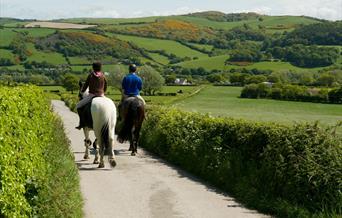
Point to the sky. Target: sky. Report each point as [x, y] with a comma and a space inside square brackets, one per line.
[47, 9]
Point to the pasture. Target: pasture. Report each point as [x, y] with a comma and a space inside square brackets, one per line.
[171, 47]
[159, 58]
[4, 53]
[6, 36]
[272, 23]
[49, 57]
[218, 63]
[109, 20]
[225, 101]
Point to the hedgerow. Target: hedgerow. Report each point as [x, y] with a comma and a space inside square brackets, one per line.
[289, 171]
[38, 177]
[292, 93]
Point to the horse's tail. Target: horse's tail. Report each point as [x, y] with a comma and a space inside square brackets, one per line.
[107, 131]
[125, 132]
[105, 135]
[131, 116]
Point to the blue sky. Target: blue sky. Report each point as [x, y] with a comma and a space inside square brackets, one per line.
[47, 9]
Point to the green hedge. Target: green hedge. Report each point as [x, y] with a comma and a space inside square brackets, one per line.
[38, 177]
[289, 171]
[292, 93]
[70, 100]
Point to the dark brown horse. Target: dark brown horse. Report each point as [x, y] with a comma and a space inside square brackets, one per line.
[131, 117]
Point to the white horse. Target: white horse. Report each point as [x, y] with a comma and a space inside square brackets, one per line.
[103, 112]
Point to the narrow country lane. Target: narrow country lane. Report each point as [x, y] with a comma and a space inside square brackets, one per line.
[143, 186]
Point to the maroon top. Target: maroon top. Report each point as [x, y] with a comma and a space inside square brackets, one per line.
[97, 84]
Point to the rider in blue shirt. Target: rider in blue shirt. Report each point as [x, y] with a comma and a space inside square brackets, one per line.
[132, 84]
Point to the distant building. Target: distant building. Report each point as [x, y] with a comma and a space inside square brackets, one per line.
[182, 82]
[269, 84]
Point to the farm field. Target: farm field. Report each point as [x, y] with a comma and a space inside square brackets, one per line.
[171, 47]
[271, 23]
[36, 32]
[4, 53]
[224, 101]
[6, 36]
[159, 58]
[217, 62]
[49, 57]
[109, 20]
[58, 25]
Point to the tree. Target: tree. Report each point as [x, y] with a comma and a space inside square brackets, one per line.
[70, 83]
[215, 78]
[170, 79]
[115, 78]
[152, 80]
[326, 80]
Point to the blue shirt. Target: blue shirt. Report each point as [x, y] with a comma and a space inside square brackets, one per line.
[131, 84]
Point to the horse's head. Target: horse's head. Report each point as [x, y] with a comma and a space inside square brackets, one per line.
[80, 94]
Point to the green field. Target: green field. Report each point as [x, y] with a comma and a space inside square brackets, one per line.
[217, 62]
[270, 22]
[171, 47]
[159, 58]
[78, 60]
[202, 46]
[4, 53]
[40, 56]
[36, 32]
[6, 37]
[208, 63]
[224, 101]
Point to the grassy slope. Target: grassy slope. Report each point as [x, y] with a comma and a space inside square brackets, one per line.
[6, 36]
[50, 57]
[4, 53]
[109, 20]
[36, 32]
[269, 22]
[224, 101]
[159, 58]
[217, 62]
[78, 60]
[168, 45]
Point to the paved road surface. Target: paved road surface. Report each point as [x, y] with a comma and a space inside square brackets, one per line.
[143, 186]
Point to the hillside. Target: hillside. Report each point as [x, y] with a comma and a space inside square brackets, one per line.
[210, 40]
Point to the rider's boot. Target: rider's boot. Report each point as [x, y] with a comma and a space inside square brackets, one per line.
[81, 124]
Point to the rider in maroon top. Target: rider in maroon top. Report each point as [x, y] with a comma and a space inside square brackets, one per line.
[97, 84]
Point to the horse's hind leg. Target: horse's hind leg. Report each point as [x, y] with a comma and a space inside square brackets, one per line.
[96, 148]
[101, 151]
[87, 143]
[111, 154]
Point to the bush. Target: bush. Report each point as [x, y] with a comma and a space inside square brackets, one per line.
[290, 93]
[70, 101]
[290, 171]
[38, 177]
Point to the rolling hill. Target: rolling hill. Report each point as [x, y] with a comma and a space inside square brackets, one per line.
[205, 39]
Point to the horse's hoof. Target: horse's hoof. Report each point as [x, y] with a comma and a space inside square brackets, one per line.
[96, 162]
[101, 165]
[86, 157]
[112, 162]
[133, 154]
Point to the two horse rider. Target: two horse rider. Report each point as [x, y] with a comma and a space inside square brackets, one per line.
[97, 85]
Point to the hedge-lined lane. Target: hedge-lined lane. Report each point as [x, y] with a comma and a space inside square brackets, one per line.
[289, 171]
[37, 173]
